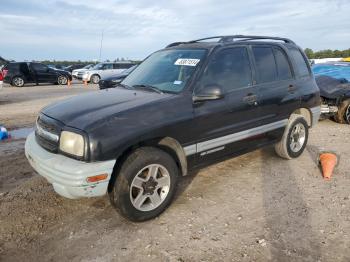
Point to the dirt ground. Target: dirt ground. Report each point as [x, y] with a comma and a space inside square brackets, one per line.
[256, 207]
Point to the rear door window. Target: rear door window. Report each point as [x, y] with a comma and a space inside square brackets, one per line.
[283, 67]
[265, 64]
[230, 69]
[301, 69]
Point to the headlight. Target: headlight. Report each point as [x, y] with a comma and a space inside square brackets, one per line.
[72, 143]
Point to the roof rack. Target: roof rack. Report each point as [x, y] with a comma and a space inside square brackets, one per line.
[232, 38]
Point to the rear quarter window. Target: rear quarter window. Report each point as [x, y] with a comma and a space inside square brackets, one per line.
[301, 67]
[283, 67]
[265, 64]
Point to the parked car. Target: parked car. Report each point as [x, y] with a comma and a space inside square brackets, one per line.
[113, 81]
[78, 73]
[104, 70]
[70, 68]
[184, 107]
[20, 73]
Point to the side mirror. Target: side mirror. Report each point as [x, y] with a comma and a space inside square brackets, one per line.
[209, 92]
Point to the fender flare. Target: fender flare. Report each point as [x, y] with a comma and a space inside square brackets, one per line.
[176, 147]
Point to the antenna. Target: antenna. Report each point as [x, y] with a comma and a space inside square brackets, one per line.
[101, 45]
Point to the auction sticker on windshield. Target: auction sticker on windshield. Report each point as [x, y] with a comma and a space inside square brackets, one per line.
[187, 61]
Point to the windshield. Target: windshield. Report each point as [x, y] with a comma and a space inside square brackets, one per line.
[129, 70]
[87, 66]
[167, 70]
[98, 67]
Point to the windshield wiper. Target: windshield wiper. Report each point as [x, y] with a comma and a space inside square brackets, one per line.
[155, 89]
[125, 86]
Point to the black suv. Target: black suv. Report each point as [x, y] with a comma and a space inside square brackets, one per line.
[186, 106]
[20, 73]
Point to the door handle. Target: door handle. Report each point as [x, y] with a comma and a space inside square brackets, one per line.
[250, 99]
[291, 88]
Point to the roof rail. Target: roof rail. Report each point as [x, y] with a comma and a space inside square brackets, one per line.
[232, 38]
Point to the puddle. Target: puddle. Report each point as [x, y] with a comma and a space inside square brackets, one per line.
[20, 133]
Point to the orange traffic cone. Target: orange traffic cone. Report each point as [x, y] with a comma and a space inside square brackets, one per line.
[69, 83]
[328, 161]
[85, 83]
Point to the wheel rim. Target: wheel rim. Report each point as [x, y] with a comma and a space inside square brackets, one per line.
[18, 81]
[150, 187]
[347, 114]
[297, 137]
[95, 79]
[62, 80]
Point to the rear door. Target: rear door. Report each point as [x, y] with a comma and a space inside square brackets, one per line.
[223, 125]
[275, 83]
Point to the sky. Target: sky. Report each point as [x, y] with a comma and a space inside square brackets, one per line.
[71, 29]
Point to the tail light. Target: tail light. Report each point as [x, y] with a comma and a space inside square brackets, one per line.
[4, 72]
[1, 76]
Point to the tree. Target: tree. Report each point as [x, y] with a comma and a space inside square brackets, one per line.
[309, 53]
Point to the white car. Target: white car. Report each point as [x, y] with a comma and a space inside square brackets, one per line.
[78, 73]
[106, 69]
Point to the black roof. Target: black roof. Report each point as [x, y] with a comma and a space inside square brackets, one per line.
[213, 41]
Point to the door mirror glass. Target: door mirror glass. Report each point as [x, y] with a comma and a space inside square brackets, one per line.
[209, 92]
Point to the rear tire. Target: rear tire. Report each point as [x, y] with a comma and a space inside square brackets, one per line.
[145, 185]
[17, 81]
[343, 114]
[294, 139]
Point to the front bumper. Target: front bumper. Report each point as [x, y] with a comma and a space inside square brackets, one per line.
[85, 77]
[68, 176]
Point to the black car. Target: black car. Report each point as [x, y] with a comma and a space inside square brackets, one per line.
[113, 81]
[20, 73]
[184, 107]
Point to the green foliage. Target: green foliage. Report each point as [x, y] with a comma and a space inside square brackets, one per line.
[328, 53]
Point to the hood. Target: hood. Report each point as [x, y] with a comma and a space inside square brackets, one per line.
[80, 70]
[82, 111]
[61, 71]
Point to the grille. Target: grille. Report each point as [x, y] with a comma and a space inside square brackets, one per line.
[47, 133]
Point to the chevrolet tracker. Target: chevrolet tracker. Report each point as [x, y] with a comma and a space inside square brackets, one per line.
[184, 107]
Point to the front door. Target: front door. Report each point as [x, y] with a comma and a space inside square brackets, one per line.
[43, 73]
[224, 125]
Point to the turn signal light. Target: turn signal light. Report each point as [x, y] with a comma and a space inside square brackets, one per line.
[97, 178]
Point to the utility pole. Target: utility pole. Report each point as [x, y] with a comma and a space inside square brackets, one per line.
[101, 45]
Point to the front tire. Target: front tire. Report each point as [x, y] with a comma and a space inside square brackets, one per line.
[294, 139]
[62, 80]
[95, 79]
[18, 81]
[145, 185]
[343, 114]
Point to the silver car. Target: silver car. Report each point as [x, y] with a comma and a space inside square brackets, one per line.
[103, 70]
[78, 73]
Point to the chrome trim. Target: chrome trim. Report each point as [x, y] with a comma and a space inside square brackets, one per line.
[190, 150]
[316, 113]
[42, 132]
[224, 140]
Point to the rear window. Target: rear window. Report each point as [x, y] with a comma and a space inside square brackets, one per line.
[265, 64]
[300, 63]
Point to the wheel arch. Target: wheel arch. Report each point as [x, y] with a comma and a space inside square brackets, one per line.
[306, 113]
[167, 144]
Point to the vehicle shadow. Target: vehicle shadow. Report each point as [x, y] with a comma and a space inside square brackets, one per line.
[288, 222]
